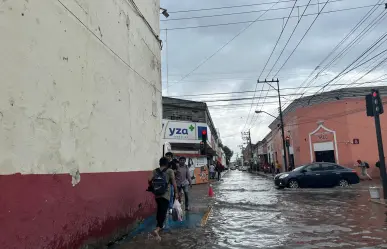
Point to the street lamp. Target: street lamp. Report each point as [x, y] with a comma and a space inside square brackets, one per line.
[265, 113]
[164, 12]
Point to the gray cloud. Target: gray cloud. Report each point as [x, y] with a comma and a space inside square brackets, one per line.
[238, 65]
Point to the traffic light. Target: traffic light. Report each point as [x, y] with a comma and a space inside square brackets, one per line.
[287, 141]
[374, 104]
[377, 101]
[203, 143]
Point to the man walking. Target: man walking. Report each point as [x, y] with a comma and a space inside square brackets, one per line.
[212, 171]
[364, 166]
[160, 182]
[169, 156]
[183, 179]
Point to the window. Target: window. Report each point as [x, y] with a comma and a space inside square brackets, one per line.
[329, 166]
[313, 167]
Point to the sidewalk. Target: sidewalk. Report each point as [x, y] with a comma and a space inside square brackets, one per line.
[200, 208]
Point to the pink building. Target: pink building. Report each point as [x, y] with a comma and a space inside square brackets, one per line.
[333, 127]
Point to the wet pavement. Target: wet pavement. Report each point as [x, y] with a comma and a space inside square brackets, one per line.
[248, 212]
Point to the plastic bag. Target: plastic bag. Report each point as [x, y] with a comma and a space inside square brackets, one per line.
[177, 211]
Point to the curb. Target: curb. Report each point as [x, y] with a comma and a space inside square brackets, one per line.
[206, 216]
[379, 201]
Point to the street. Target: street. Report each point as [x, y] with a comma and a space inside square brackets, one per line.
[248, 212]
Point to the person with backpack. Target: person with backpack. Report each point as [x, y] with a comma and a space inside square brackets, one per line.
[183, 179]
[160, 182]
[364, 166]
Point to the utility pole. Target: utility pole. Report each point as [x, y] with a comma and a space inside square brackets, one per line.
[374, 106]
[247, 137]
[280, 114]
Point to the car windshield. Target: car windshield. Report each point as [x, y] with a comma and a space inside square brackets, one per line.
[299, 168]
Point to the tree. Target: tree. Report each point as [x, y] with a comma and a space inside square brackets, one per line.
[228, 154]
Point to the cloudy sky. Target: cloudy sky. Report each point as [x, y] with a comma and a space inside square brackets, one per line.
[223, 48]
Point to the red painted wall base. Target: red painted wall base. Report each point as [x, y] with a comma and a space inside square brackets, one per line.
[47, 212]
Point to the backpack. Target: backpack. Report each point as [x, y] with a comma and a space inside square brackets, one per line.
[367, 165]
[159, 182]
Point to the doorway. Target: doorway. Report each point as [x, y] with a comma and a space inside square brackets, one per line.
[325, 156]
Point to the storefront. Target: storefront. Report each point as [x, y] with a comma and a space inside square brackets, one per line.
[183, 139]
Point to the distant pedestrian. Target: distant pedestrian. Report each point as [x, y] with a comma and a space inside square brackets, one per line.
[212, 171]
[160, 182]
[218, 169]
[364, 166]
[277, 167]
[183, 179]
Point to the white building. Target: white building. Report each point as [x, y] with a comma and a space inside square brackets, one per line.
[80, 119]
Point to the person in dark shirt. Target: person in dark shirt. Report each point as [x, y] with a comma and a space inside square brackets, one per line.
[162, 201]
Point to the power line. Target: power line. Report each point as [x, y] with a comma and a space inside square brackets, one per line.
[290, 37]
[271, 19]
[343, 72]
[298, 44]
[221, 48]
[364, 18]
[271, 54]
[243, 12]
[241, 92]
[228, 7]
[307, 31]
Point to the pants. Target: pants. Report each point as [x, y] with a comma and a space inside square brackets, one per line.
[212, 174]
[171, 200]
[365, 173]
[186, 197]
[162, 208]
[219, 176]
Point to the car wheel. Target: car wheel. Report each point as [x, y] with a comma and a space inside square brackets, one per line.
[343, 183]
[293, 184]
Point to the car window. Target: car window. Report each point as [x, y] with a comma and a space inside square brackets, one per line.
[313, 167]
[328, 166]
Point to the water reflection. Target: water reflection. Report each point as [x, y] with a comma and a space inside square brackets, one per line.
[250, 213]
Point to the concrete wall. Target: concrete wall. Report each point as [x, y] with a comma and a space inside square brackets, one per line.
[80, 86]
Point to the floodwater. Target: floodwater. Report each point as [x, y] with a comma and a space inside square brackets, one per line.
[248, 212]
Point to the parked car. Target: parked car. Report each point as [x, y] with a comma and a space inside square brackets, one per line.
[233, 167]
[317, 175]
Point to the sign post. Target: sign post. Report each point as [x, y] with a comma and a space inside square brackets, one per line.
[375, 108]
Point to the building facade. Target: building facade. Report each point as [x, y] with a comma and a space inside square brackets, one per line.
[183, 124]
[330, 127]
[80, 120]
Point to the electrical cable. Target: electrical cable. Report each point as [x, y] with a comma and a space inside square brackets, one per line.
[271, 54]
[221, 48]
[307, 31]
[269, 19]
[364, 18]
[241, 13]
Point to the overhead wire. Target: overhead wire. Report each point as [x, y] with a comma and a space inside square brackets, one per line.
[241, 13]
[298, 44]
[271, 54]
[267, 19]
[222, 47]
[364, 18]
[287, 42]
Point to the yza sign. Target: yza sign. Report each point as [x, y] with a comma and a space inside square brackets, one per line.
[179, 130]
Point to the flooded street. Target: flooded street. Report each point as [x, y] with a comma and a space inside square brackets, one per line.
[248, 212]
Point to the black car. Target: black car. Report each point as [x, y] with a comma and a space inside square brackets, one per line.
[317, 175]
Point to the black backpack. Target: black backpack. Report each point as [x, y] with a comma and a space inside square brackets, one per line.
[159, 182]
[367, 165]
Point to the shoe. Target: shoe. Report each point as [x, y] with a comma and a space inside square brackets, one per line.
[186, 209]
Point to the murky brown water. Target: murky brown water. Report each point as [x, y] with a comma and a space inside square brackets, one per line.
[249, 212]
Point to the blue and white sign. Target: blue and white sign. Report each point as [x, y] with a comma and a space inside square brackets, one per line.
[179, 130]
